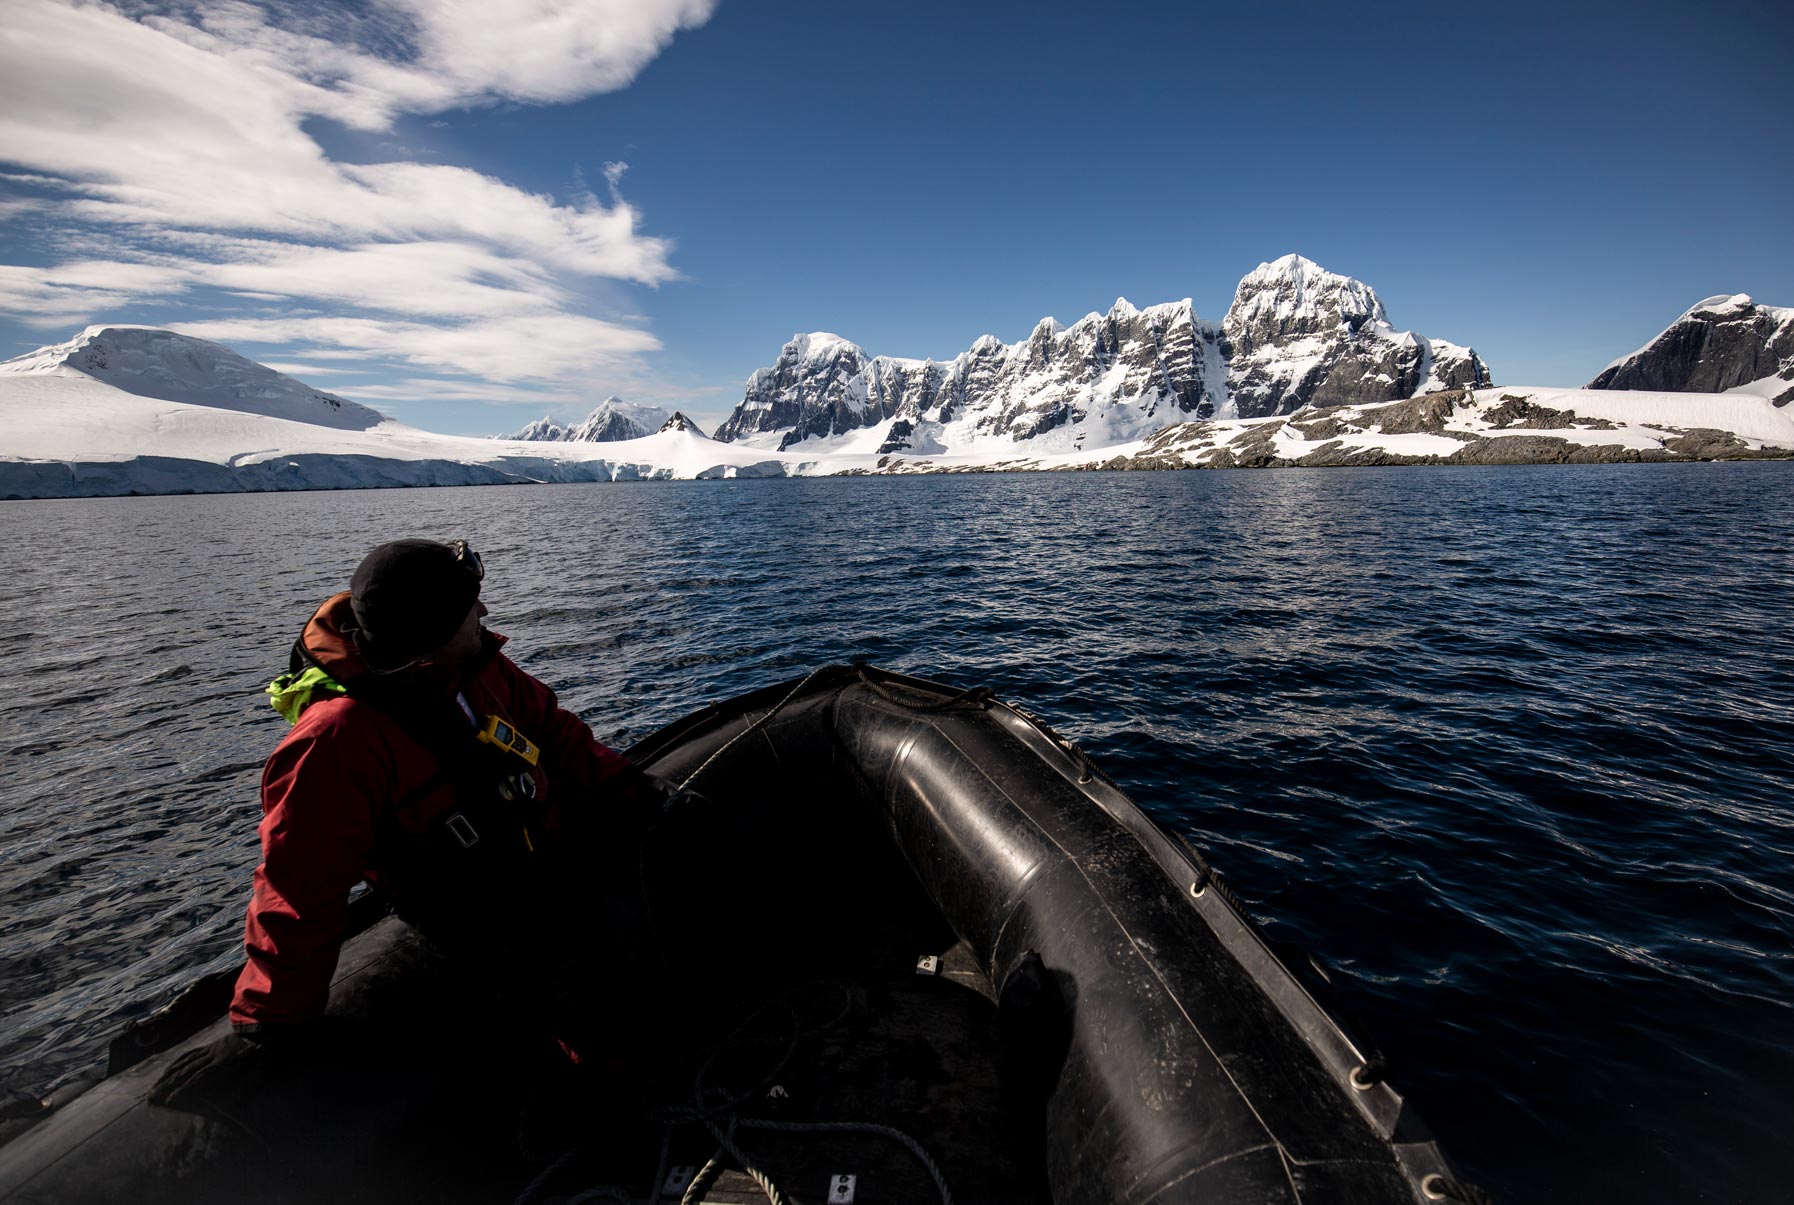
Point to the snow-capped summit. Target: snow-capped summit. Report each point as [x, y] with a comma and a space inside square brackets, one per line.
[818, 344]
[611, 420]
[1721, 344]
[817, 384]
[1294, 296]
[679, 422]
[180, 368]
[1300, 335]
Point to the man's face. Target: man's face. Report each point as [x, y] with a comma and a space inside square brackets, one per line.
[464, 645]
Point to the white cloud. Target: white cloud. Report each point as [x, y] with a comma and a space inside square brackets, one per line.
[302, 371]
[437, 389]
[545, 50]
[551, 346]
[53, 298]
[175, 147]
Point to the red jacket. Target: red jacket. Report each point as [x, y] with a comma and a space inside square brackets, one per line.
[335, 782]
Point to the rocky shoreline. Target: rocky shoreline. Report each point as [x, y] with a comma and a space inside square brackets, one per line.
[1482, 431]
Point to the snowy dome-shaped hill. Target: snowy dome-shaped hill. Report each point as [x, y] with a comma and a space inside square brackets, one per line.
[170, 367]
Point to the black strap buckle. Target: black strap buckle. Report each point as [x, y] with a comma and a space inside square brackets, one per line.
[462, 830]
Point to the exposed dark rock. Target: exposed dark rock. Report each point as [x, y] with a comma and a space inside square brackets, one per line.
[1419, 415]
[679, 422]
[1326, 428]
[1260, 455]
[1182, 433]
[1601, 454]
[1720, 344]
[899, 436]
[1339, 455]
[1261, 433]
[1539, 449]
[1705, 443]
[1526, 414]
[1142, 462]
[1515, 449]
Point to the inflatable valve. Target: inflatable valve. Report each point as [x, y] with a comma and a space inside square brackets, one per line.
[501, 735]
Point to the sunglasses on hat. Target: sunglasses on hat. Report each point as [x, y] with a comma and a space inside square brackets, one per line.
[468, 559]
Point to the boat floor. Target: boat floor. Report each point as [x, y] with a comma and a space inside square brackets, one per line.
[880, 1044]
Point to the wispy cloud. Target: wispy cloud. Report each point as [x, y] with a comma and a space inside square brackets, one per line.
[170, 145]
[540, 347]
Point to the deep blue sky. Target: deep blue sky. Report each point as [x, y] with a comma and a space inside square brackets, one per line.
[1551, 184]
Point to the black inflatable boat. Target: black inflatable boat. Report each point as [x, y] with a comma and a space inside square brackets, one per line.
[909, 945]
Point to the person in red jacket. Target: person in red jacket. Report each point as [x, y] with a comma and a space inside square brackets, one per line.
[424, 762]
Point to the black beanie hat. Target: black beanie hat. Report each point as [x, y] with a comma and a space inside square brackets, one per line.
[409, 597]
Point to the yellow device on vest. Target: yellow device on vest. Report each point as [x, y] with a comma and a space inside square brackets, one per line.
[496, 732]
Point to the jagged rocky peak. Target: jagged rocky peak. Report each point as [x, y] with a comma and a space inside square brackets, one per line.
[1720, 343]
[1299, 335]
[679, 422]
[1295, 296]
[817, 383]
[163, 364]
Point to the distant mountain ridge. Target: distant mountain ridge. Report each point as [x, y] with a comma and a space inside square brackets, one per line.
[610, 421]
[1719, 345]
[1295, 335]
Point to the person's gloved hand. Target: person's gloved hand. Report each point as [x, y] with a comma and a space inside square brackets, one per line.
[641, 801]
[222, 1073]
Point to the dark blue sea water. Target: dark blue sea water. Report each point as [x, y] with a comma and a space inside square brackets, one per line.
[1507, 749]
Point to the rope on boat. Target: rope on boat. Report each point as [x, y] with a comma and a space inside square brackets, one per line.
[700, 1183]
[755, 726]
[860, 1127]
[604, 1193]
[977, 698]
[714, 1107]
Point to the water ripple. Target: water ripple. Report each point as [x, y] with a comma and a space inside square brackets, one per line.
[1505, 748]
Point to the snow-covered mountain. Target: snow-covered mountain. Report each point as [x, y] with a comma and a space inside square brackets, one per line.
[1295, 335]
[154, 363]
[611, 420]
[1298, 335]
[1724, 344]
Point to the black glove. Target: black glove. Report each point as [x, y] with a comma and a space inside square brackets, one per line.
[664, 793]
[221, 1074]
[635, 805]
